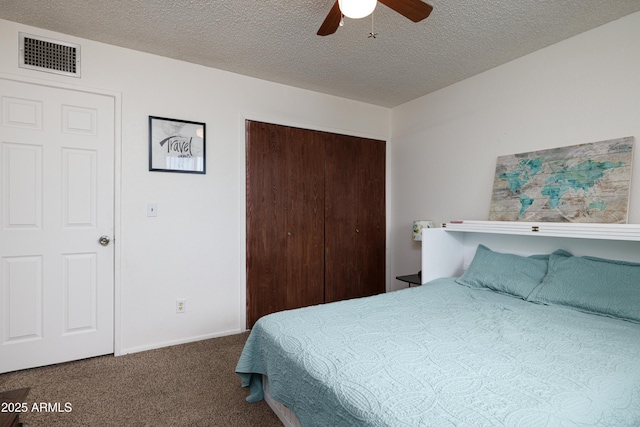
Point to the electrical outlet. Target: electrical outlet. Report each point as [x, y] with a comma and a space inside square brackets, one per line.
[181, 305]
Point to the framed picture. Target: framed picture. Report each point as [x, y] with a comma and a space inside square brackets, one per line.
[176, 145]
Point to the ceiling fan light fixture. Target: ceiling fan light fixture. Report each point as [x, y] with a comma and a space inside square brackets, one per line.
[357, 9]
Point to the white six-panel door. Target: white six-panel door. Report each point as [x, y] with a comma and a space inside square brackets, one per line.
[56, 201]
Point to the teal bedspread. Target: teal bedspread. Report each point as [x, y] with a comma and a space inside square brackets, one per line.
[446, 355]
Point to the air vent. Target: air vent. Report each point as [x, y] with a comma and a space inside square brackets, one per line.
[52, 56]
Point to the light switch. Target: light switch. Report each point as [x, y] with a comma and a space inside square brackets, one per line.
[152, 209]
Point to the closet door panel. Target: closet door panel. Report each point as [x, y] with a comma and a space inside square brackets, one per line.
[266, 220]
[305, 218]
[341, 227]
[285, 219]
[371, 217]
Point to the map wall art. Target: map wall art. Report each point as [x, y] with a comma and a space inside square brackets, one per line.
[579, 183]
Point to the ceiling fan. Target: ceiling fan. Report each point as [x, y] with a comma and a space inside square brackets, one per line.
[415, 10]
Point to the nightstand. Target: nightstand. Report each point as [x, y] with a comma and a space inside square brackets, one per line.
[411, 279]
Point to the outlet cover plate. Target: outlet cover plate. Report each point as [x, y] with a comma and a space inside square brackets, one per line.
[181, 305]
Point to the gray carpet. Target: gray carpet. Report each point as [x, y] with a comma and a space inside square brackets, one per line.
[185, 385]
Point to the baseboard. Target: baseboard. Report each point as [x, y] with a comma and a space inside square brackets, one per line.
[177, 342]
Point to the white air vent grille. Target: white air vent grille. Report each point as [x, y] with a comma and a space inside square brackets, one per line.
[39, 53]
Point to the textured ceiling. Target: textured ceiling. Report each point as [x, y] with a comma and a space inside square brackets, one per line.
[276, 40]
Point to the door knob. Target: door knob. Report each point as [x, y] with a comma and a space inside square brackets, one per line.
[104, 240]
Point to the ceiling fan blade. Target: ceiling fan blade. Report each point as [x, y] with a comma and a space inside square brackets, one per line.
[331, 22]
[415, 10]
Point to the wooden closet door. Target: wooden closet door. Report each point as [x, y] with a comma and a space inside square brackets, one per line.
[354, 217]
[305, 218]
[285, 219]
[371, 214]
[341, 225]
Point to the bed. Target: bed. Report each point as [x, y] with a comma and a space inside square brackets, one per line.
[515, 331]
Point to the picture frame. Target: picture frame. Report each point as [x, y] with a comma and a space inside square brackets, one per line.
[177, 145]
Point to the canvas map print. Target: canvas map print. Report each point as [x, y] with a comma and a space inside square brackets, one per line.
[580, 183]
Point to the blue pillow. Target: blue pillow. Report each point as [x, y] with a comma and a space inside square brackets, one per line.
[505, 273]
[595, 285]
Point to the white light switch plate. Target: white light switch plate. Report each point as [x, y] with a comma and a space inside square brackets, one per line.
[152, 209]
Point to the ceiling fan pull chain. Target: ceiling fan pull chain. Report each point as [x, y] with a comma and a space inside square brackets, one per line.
[372, 34]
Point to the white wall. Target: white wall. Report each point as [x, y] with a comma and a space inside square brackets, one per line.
[195, 248]
[444, 145]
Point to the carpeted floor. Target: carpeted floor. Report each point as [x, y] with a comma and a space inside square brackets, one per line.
[185, 385]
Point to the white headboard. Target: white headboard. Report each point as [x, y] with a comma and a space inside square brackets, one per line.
[447, 251]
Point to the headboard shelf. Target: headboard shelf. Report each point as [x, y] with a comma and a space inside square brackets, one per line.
[447, 251]
[550, 229]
